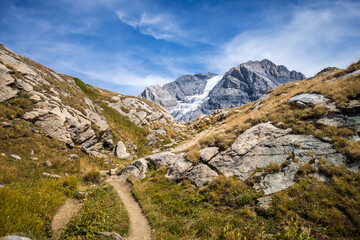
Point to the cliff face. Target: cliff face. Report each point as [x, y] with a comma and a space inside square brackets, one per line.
[193, 95]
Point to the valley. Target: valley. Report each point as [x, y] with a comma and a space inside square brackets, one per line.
[280, 160]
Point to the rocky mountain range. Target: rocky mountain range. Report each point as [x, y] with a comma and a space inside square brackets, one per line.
[271, 152]
[190, 96]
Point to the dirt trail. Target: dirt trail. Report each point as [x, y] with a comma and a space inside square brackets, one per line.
[139, 225]
[64, 215]
[187, 144]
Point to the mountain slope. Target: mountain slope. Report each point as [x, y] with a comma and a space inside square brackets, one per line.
[193, 95]
[56, 134]
[288, 162]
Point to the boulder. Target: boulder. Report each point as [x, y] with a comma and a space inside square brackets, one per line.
[136, 168]
[200, 175]
[308, 99]
[208, 153]
[255, 135]
[263, 147]
[120, 150]
[163, 159]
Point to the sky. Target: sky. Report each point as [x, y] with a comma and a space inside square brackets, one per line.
[127, 45]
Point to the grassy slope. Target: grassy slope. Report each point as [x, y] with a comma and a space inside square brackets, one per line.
[29, 200]
[226, 209]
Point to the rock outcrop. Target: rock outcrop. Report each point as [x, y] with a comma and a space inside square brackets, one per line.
[56, 112]
[252, 153]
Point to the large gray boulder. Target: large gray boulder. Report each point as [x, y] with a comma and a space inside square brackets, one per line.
[263, 145]
[308, 99]
[136, 168]
[120, 150]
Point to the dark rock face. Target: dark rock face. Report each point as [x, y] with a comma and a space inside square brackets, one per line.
[240, 85]
[248, 82]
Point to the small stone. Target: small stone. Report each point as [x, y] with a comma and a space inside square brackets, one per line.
[51, 175]
[5, 124]
[1, 185]
[34, 158]
[47, 163]
[32, 152]
[264, 202]
[3, 154]
[14, 237]
[73, 155]
[111, 235]
[108, 161]
[15, 156]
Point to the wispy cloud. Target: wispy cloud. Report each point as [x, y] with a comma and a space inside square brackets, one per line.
[159, 26]
[312, 39]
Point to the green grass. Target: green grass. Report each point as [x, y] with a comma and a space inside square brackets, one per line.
[226, 208]
[179, 211]
[27, 205]
[102, 212]
[125, 130]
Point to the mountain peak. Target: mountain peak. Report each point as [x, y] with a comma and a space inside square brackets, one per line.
[192, 95]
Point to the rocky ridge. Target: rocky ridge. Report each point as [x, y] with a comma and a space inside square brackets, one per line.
[186, 98]
[59, 108]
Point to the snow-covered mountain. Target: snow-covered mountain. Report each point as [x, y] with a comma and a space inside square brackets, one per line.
[190, 96]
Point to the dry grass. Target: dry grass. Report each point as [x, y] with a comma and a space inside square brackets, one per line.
[192, 153]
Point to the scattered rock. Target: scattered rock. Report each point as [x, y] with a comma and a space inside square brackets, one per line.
[120, 150]
[73, 155]
[32, 152]
[136, 168]
[5, 124]
[51, 175]
[15, 156]
[341, 120]
[14, 237]
[3, 154]
[108, 161]
[264, 144]
[200, 175]
[308, 99]
[111, 235]
[34, 158]
[47, 163]
[264, 202]
[1, 185]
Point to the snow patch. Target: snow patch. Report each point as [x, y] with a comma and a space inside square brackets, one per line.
[191, 103]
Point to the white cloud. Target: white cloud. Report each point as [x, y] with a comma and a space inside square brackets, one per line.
[125, 77]
[314, 38]
[159, 26]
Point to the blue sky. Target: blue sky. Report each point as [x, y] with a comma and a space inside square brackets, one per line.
[125, 46]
